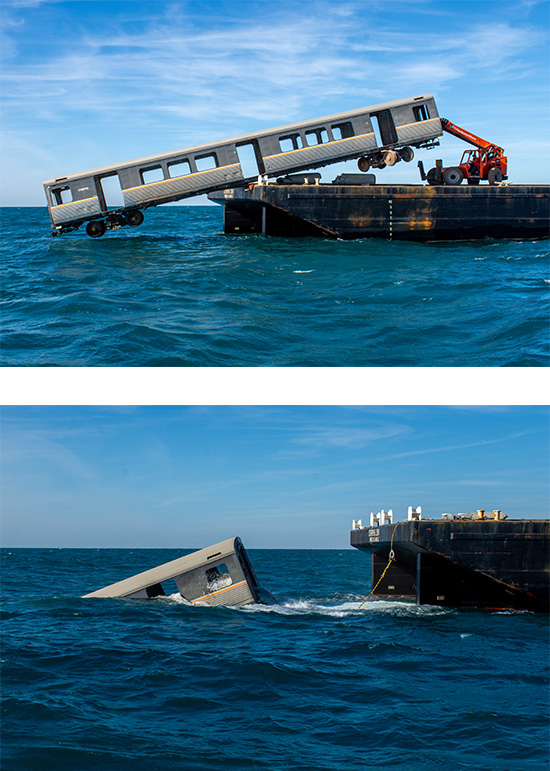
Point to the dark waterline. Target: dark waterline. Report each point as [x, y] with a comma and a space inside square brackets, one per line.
[177, 292]
[313, 684]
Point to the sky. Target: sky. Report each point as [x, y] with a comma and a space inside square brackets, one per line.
[87, 83]
[279, 477]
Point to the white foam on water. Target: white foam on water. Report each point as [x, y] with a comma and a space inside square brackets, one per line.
[303, 271]
[345, 609]
[305, 608]
[302, 607]
[177, 598]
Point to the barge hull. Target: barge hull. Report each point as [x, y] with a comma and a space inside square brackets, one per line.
[393, 212]
[481, 564]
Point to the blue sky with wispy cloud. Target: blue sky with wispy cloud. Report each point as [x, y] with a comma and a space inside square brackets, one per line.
[290, 477]
[87, 83]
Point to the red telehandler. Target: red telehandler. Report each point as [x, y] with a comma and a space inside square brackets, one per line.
[487, 161]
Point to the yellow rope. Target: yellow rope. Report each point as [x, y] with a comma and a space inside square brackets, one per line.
[381, 577]
[391, 559]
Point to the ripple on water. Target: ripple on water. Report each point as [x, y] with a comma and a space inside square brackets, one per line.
[177, 292]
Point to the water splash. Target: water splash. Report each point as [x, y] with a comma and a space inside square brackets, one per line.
[334, 609]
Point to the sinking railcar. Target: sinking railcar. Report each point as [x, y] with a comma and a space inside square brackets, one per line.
[379, 135]
[218, 575]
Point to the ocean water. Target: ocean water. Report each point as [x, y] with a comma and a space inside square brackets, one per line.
[177, 292]
[312, 684]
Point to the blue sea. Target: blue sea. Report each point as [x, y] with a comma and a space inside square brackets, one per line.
[177, 292]
[311, 684]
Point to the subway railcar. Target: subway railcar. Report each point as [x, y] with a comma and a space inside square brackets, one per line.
[378, 135]
[218, 575]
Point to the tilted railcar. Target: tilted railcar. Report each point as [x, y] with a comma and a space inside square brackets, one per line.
[218, 575]
[379, 134]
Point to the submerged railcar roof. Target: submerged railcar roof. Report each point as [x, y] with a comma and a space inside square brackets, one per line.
[340, 116]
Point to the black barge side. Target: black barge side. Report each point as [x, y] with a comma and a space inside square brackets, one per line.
[464, 564]
[394, 212]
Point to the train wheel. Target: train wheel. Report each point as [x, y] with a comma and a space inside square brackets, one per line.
[95, 228]
[134, 218]
[391, 158]
[494, 176]
[406, 154]
[431, 177]
[363, 164]
[453, 176]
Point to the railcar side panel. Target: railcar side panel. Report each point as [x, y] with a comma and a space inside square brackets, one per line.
[75, 210]
[172, 189]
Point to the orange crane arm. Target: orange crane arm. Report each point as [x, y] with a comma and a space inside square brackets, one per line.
[461, 133]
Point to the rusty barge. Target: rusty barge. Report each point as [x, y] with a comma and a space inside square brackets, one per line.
[354, 206]
[469, 560]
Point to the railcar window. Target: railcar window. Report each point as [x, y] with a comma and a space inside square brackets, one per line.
[179, 169]
[290, 142]
[342, 130]
[218, 578]
[152, 174]
[311, 138]
[62, 195]
[316, 137]
[421, 112]
[206, 162]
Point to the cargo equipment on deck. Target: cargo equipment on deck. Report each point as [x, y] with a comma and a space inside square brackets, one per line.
[469, 560]
[379, 135]
[218, 575]
[486, 162]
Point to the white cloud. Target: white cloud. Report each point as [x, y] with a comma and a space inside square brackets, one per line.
[454, 447]
[273, 62]
[347, 436]
[33, 449]
[171, 79]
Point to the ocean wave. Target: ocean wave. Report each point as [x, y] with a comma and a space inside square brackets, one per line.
[311, 684]
[179, 293]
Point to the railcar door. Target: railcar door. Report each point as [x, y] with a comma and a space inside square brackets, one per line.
[109, 191]
[384, 128]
